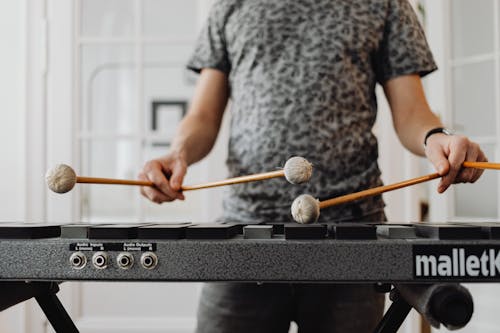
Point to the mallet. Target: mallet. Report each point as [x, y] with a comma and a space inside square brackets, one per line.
[62, 178]
[306, 208]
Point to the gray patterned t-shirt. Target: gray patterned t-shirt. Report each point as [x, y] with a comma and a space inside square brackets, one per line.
[302, 75]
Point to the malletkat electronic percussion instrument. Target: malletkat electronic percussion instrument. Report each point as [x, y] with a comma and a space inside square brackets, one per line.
[423, 262]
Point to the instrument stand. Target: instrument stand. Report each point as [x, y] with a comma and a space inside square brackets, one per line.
[395, 315]
[62, 322]
[54, 310]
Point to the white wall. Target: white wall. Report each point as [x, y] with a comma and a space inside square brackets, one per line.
[12, 109]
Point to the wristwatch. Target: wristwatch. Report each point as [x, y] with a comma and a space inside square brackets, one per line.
[437, 130]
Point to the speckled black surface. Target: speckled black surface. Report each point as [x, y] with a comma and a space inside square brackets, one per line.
[383, 260]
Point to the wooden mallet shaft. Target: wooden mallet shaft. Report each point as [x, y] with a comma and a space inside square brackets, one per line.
[376, 190]
[386, 188]
[281, 173]
[481, 165]
[306, 209]
[237, 180]
[112, 181]
[62, 178]
[229, 181]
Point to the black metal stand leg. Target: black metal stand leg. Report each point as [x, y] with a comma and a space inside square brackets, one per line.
[395, 315]
[55, 312]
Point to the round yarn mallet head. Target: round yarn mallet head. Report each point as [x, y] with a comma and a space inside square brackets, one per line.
[305, 209]
[61, 178]
[298, 170]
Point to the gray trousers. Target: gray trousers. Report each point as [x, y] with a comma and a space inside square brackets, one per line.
[269, 308]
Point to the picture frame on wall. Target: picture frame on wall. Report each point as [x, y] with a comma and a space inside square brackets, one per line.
[165, 117]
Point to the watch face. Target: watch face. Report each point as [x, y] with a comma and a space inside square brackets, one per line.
[447, 131]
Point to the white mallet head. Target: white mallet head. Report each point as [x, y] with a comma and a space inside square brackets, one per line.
[61, 178]
[298, 170]
[305, 209]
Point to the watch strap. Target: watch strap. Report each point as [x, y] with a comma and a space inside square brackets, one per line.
[436, 130]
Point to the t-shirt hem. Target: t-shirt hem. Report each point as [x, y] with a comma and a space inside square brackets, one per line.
[197, 68]
[421, 72]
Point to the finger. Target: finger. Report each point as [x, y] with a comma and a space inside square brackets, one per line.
[467, 174]
[476, 175]
[437, 156]
[156, 196]
[178, 173]
[142, 176]
[160, 181]
[151, 193]
[458, 151]
[156, 172]
[480, 158]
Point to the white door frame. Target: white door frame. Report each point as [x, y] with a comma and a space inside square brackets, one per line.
[48, 107]
[439, 93]
[37, 135]
[60, 92]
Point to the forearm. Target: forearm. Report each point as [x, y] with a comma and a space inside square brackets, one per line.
[197, 132]
[195, 137]
[412, 116]
[414, 125]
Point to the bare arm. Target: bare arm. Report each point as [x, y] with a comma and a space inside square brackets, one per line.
[194, 138]
[197, 132]
[413, 118]
[411, 114]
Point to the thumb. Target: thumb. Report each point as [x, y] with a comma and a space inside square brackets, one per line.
[437, 157]
[178, 173]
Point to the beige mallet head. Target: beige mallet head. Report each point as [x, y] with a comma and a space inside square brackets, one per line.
[298, 170]
[305, 209]
[61, 178]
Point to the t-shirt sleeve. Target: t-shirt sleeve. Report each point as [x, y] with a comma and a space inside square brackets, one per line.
[403, 49]
[210, 49]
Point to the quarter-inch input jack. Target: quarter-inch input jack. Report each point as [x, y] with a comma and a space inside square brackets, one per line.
[78, 260]
[100, 260]
[149, 260]
[125, 260]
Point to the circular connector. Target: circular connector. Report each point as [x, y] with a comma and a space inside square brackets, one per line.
[125, 260]
[149, 260]
[100, 260]
[78, 260]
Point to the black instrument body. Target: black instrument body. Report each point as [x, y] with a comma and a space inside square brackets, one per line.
[187, 252]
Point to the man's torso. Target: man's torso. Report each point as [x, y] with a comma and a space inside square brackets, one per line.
[302, 83]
